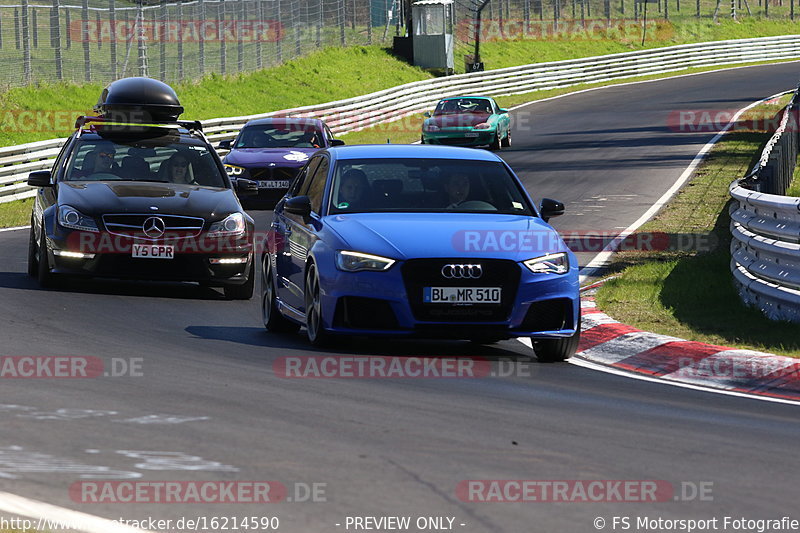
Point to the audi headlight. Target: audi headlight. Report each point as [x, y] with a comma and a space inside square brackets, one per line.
[549, 264]
[69, 217]
[234, 171]
[430, 127]
[483, 126]
[230, 226]
[356, 261]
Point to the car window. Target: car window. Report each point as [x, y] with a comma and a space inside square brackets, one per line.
[426, 185]
[62, 157]
[162, 159]
[302, 177]
[298, 134]
[316, 186]
[463, 105]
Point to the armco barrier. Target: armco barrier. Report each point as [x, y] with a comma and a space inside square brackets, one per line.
[360, 112]
[765, 227]
[765, 251]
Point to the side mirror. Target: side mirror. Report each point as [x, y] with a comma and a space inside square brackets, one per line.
[40, 178]
[246, 187]
[225, 145]
[337, 142]
[427, 114]
[501, 110]
[298, 205]
[551, 208]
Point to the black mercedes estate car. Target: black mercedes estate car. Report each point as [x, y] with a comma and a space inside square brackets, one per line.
[137, 194]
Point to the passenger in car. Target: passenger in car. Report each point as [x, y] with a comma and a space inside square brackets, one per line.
[176, 169]
[353, 190]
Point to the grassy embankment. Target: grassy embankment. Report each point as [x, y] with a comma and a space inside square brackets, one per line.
[690, 293]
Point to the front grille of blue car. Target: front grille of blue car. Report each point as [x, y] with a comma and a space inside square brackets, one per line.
[421, 273]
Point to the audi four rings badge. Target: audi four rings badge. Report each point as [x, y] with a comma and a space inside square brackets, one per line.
[455, 271]
[154, 227]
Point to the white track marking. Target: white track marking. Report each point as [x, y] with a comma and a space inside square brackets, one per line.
[14, 229]
[42, 512]
[609, 370]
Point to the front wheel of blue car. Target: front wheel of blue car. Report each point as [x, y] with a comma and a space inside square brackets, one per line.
[315, 329]
[555, 350]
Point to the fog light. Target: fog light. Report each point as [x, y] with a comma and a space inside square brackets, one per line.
[72, 255]
[228, 260]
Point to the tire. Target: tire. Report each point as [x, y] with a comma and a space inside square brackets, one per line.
[556, 350]
[422, 140]
[273, 320]
[507, 141]
[495, 144]
[317, 335]
[245, 290]
[46, 278]
[33, 261]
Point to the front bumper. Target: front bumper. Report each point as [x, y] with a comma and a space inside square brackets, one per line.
[217, 262]
[460, 137]
[378, 303]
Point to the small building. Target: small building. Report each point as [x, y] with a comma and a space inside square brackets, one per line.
[433, 22]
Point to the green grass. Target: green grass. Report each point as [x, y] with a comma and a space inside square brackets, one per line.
[337, 73]
[14, 214]
[573, 44]
[691, 294]
[329, 75]
[794, 186]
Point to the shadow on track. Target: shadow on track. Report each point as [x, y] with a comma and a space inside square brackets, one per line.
[146, 289]
[362, 345]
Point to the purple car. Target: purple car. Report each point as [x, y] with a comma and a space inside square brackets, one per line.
[271, 151]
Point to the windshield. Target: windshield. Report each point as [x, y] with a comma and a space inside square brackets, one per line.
[160, 159]
[289, 135]
[426, 185]
[457, 106]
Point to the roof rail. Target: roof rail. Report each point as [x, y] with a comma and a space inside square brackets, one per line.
[191, 125]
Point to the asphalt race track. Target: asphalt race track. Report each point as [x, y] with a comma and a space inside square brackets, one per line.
[205, 403]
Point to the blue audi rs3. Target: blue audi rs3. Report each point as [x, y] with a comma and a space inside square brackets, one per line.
[425, 241]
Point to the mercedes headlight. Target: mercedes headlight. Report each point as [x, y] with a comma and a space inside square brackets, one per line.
[69, 217]
[356, 261]
[230, 226]
[483, 126]
[234, 171]
[549, 264]
[430, 127]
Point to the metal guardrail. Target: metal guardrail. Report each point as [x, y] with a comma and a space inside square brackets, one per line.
[765, 226]
[353, 114]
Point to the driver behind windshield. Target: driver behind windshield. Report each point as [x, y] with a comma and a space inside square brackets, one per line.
[100, 161]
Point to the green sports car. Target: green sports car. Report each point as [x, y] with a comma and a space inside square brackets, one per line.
[468, 121]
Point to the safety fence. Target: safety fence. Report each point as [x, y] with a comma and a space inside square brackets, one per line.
[360, 112]
[101, 40]
[765, 225]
